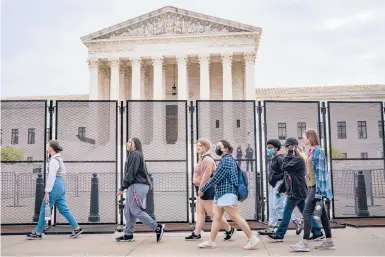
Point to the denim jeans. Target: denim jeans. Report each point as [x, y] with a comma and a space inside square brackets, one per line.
[276, 205]
[291, 203]
[134, 208]
[57, 198]
[308, 212]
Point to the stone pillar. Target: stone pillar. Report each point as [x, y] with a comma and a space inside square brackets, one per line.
[204, 121]
[158, 90]
[136, 92]
[122, 87]
[204, 62]
[93, 65]
[135, 111]
[164, 79]
[249, 72]
[115, 82]
[182, 77]
[159, 120]
[227, 76]
[228, 116]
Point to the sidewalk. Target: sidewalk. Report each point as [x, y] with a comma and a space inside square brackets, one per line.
[349, 241]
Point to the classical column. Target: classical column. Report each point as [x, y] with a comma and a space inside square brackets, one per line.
[93, 65]
[227, 76]
[122, 87]
[135, 108]
[249, 72]
[136, 91]
[115, 82]
[164, 79]
[158, 78]
[182, 77]
[204, 63]
[204, 121]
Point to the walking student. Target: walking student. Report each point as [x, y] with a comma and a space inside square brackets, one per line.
[276, 202]
[55, 192]
[225, 180]
[137, 183]
[319, 188]
[295, 187]
[203, 171]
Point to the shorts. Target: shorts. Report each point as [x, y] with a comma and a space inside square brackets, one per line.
[228, 199]
[208, 194]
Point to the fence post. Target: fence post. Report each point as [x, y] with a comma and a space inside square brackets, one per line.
[150, 199]
[360, 199]
[39, 195]
[94, 204]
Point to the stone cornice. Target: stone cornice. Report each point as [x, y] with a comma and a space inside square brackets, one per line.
[92, 45]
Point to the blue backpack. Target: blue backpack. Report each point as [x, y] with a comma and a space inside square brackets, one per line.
[243, 185]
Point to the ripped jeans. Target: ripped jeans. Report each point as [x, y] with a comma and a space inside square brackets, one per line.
[134, 208]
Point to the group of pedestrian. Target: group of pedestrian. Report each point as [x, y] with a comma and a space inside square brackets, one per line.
[295, 179]
[302, 181]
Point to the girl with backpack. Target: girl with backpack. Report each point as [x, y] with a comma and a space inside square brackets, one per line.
[203, 171]
[226, 185]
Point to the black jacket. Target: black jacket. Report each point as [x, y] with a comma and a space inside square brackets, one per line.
[135, 171]
[294, 179]
[275, 170]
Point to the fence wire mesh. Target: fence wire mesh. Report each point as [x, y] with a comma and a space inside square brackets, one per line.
[284, 120]
[87, 130]
[234, 121]
[162, 128]
[357, 158]
[23, 140]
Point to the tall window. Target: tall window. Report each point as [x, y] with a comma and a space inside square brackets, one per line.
[15, 137]
[29, 159]
[345, 155]
[31, 136]
[364, 155]
[301, 128]
[341, 129]
[362, 131]
[217, 124]
[171, 124]
[238, 123]
[380, 128]
[282, 132]
[82, 133]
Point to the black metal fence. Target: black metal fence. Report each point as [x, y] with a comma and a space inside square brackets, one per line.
[93, 136]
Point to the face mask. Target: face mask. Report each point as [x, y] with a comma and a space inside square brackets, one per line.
[270, 152]
[218, 151]
[290, 152]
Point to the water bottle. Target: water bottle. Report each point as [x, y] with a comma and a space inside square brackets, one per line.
[47, 212]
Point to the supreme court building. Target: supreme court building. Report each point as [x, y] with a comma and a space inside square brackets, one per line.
[172, 53]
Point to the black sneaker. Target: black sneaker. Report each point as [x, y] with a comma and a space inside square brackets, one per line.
[266, 232]
[274, 238]
[229, 234]
[317, 237]
[159, 232]
[193, 237]
[76, 233]
[298, 226]
[125, 238]
[33, 236]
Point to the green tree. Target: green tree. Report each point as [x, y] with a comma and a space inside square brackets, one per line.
[337, 153]
[11, 153]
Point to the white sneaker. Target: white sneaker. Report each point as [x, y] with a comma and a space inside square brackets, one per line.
[207, 244]
[252, 243]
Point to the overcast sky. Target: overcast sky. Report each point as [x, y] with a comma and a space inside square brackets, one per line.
[303, 43]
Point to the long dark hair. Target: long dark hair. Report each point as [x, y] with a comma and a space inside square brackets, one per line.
[55, 146]
[138, 144]
[226, 144]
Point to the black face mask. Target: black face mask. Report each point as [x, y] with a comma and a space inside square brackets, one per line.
[218, 151]
[290, 152]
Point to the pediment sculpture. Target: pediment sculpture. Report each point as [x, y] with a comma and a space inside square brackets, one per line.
[171, 24]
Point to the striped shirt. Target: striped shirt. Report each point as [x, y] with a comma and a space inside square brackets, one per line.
[225, 178]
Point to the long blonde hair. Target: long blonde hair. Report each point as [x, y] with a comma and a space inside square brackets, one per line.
[206, 144]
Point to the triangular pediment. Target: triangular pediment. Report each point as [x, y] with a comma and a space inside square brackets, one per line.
[170, 21]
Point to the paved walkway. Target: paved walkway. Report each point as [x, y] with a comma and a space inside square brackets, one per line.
[349, 241]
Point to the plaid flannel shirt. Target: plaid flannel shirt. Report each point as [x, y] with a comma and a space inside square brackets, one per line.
[323, 184]
[225, 178]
